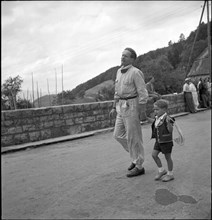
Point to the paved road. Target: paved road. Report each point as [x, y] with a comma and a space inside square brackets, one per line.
[85, 178]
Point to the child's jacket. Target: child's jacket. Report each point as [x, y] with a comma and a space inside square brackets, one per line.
[163, 131]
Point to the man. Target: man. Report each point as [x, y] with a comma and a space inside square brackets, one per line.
[188, 97]
[151, 90]
[130, 104]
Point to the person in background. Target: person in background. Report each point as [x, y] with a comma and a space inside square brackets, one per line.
[162, 129]
[198, 92]
[193, 90]
[151, 90]
[208, 83]
[203, 93]
[130, 103]
[188, 97]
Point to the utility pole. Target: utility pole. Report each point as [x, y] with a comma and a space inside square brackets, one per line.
[62, 84]
[189, 61]
[209, 39]
[55, 81]
[33, 97]
[27, 97]
[48, 92]
[38, 96]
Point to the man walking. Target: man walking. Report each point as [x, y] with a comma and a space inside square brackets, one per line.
[130, 104]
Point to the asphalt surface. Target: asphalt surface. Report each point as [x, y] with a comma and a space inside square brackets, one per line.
[85, 178]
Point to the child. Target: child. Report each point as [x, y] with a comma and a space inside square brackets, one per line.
[162, 129]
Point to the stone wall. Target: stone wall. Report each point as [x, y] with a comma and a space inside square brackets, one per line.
[29, 125]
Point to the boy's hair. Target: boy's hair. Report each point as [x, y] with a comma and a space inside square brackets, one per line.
[162, 103]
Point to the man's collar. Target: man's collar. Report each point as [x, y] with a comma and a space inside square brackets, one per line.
[125, 68]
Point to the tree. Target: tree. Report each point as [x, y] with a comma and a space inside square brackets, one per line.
[170, 43]
[106, 93]
[10, 89]
[65, 97]
[182, 37]
[24, 103]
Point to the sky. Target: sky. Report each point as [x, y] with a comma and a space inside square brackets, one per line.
[75, 41]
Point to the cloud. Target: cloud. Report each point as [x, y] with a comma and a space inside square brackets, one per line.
[86, 37]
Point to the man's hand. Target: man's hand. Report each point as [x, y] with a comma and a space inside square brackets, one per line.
[142, 112]
[112, 113]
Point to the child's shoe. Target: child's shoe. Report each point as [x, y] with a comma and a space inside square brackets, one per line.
[167, 178]
[160, 174]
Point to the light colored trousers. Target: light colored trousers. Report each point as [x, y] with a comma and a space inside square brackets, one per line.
[195, 99]
[128, 130]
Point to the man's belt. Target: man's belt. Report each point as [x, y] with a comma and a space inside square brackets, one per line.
[132, 97]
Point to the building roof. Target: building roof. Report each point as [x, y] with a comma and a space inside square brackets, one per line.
[200, 66]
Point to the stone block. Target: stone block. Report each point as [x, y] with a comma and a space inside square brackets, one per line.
[14, 130]
[69, 121]
[87, 107]
[12, 114]
[34, 136]
[100, 117]
[48, 124]
[7, 123]
[57, 110]
[75, 129]
[94, 106]
[42, 111]
[68, 115]
[21, 138]
[59, 123]
[45, 134]
[29, 127]
[89, 119]
[78, 120]
[79, 107]
[104, 105]
[96, 112]
[68, 109]
[7, 140]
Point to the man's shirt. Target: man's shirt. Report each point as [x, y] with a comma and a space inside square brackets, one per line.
[131, 84]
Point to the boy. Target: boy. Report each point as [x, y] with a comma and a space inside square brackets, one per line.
[162, 129]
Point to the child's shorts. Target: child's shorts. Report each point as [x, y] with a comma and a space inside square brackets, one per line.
[165, 148]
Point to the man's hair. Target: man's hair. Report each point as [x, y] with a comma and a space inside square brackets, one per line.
[162, 103]
[133, 53]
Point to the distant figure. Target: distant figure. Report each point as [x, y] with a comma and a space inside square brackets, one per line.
[204, 94]
[151, 90]
[209, 89]
[162, 129]
[193, 90]
[130, 103]
[188, 97]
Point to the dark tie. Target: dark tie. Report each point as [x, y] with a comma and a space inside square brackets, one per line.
[124, 70]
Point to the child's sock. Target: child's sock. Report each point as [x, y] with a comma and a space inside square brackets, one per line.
[160, 169]
[170, 173]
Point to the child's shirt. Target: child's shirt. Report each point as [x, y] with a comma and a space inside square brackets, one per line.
[162, 128]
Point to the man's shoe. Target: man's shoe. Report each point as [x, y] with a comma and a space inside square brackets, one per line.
[136, 172]
[167, 178]
[132, 165]
[160, 174]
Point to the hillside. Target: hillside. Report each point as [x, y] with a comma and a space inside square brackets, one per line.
[96, 89]
[44, 101]
[169, 66]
